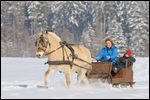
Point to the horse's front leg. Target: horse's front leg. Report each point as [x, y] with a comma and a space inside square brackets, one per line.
[47, 73]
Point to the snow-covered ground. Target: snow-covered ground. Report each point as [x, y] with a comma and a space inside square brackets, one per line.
[23, 78]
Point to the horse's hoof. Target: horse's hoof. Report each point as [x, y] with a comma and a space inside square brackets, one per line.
[68, 86]
[46, 87]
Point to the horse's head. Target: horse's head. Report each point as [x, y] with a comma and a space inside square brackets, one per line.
[42, 44]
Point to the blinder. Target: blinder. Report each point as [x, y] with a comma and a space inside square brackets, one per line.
[42, 43]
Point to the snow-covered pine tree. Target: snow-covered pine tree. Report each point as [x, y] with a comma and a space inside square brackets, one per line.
[122, 15]
[116, 34]
[98, 23]
[37, 16]
[109, 13]
[90, 40]
[138, 26]
[20, 20]
[74, 16]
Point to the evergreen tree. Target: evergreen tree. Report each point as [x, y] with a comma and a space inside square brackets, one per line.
[90, 40]
[138, 26]
[116, 34]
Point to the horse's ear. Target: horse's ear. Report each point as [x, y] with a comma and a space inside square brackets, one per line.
[40, 34]
[46, 31]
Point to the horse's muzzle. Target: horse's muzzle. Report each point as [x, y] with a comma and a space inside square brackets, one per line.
[39, 54]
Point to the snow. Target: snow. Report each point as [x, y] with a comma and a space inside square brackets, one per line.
[23, 78]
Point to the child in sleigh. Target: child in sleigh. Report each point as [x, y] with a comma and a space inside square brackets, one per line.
[121, 62]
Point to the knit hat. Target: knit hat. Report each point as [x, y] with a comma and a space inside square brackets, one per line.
[128, 52]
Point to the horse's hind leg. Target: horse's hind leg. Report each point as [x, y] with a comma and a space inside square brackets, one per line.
[47, 73]
[85, 80]
[79, 79]
[68, 79]
[82, 77]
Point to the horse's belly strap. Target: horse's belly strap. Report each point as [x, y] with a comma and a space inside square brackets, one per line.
[59, 62]
[65, 63]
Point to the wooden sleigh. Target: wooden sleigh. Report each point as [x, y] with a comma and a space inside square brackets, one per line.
[102, 70]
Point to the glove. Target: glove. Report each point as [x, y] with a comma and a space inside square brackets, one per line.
[107, 57]
[97, 58]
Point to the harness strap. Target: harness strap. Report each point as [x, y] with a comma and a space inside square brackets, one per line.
[58, 62]
[69, 47]
[82, 60]
[64, 62]
[53, 50]
[63, 53]
[72, 52]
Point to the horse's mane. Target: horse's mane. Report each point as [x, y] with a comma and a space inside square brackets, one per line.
[54, 36]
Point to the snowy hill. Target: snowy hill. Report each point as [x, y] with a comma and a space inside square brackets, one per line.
[23, 78]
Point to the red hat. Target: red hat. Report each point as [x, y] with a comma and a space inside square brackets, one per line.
[128, 52]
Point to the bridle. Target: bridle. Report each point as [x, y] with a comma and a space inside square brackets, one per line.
[42, 46]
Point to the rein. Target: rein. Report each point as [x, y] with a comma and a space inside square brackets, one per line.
[53, 50]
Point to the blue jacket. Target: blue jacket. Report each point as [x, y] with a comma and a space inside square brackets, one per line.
[108, 54]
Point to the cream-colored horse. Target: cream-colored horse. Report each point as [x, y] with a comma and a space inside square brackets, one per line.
[49, 44]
